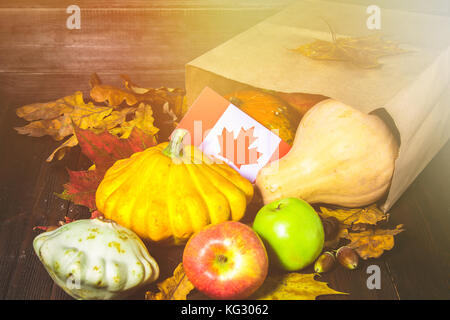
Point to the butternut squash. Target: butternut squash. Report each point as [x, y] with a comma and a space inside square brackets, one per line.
[340, 156]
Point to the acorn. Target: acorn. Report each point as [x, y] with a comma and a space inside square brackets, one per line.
[330, 227]
[325, 262]
[347, 257]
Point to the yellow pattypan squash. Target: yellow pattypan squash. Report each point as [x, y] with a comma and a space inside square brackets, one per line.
[170, 191]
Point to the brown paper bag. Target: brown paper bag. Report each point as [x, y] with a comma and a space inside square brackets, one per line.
[414, 87]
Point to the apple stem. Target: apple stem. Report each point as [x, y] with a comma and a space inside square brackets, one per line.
[221, 258]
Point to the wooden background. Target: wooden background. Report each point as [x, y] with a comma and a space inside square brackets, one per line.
[41, 60]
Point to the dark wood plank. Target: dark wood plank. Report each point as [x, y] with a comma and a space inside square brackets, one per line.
[157, 4]
[115, 40]
[440, 7]
[420, 261]
[28, 183]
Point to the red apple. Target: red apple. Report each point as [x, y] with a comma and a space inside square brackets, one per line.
[226, 261]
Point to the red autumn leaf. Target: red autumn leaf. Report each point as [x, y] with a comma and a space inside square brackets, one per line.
[238, 150]
[82, 186]
[103, 150]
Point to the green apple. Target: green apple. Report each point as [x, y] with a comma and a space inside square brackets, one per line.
[292, 231]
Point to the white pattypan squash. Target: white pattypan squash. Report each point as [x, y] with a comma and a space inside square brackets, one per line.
[95, 259]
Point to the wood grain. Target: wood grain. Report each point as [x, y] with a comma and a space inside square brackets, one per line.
[41, 60]
[156, 4]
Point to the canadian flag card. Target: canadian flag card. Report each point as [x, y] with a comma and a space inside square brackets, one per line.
[224, 132]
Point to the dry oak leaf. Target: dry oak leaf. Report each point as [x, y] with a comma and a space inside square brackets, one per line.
[363, 52]
[112, 96]
[143, 120]
[84, 116]
[176, 287]
[357, 219]
[293, 286]
[57, 118]
[132, 94]
[49, 110]
[370, 215]
[168, 104]
[46, 118]
[60, 152]
[373, 242]
[174, 96]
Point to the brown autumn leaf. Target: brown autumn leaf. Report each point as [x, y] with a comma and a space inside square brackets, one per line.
[373, 242]
[112, 96]
[175, 97]
[176, 287]
[58, 118]
[354, 219]
[68, 111]
[60, 151]
[168, 104]
[133, 94]
[293, 286]
[363, 52]
[349, 217]
[48, 118]
[143, 120]
[49, 110]
[369, 215]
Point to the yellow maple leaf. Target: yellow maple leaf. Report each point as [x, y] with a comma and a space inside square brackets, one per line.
[293, 286]
[176, 287]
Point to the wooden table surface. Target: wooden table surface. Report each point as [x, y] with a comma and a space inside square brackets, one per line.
[41, 60]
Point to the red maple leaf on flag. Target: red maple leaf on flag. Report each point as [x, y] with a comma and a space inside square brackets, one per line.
[238, 150]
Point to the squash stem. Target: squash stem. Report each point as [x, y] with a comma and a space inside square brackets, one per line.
[175, 145]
